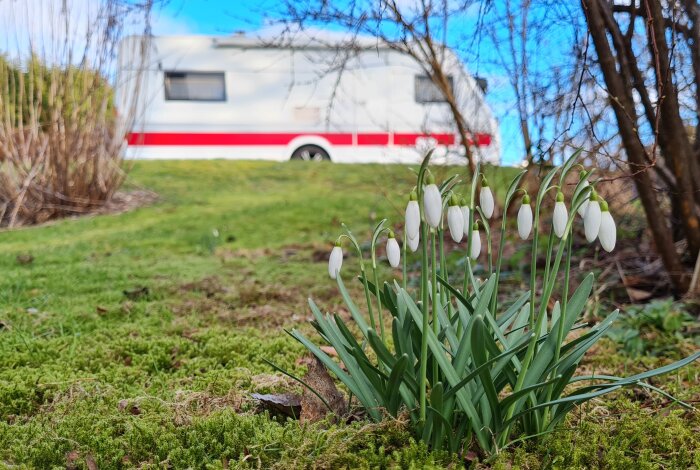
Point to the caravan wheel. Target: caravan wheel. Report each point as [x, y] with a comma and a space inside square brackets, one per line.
[310, 153]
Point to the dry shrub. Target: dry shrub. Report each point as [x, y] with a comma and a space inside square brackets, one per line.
[61, 132]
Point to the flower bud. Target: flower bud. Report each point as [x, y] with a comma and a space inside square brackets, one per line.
[560, 216]
[486, 198]
[607, 234]
[465, 215]
[525, 218]
[455, 220]
[393, 252]
[591, 221]
[335, 261]
[476, 242]
[412, 216]
[413, 243]
[432, 203]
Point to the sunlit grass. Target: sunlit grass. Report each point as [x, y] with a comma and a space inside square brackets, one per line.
[77, 355]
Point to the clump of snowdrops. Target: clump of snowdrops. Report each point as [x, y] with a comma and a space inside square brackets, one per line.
[464, 368]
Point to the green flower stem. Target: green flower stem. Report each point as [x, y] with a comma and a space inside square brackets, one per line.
[531, 320]
[444, 295]
[422, 392]
[424, 336]
[367, 296]
[467, 259]
[533, 266]
[380, 317]
[436, 323]
[512, 192]
[501, 244]
[548, 259]
[472, 207]
[562, 315]
[405, 251]
[564, 300]
[489, 253]
[363, 273]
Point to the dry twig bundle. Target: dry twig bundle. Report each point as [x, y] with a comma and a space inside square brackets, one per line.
[61, 132]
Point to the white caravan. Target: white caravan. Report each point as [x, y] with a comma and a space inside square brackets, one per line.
[241, 98]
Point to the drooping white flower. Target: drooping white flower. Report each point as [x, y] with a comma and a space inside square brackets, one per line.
[412, 216]
[335, 261]
[486, 199]
[525, 218]
[413, 243]
[455, 219]
[393, 252]
[465, 215]
[476, 243]
[582, 208]
[432, 203]
[607, 234]
[560, 216]
[591, 221]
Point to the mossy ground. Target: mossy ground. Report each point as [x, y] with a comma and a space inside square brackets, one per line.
[135, 340]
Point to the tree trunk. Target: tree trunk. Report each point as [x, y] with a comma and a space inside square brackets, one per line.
[675, 145]
[625, 113]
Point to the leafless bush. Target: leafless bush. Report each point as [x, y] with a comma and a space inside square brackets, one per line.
[61, 133]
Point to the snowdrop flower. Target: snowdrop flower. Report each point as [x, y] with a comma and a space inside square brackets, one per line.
[607, 234]
[591, 221]
[412, 216]
[413, 243]
[465, 215]
[560, 216]
[525, 218]
[455, 219]
[486, 198]
[432, 203]
[393, 252]
[335, 261]
[582, 208]
[476, 242]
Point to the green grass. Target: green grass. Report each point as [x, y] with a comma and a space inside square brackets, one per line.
[163, 379]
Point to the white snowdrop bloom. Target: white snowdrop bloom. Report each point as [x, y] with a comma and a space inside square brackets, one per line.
[432, 203]
[525, 218]
[591, 221]
[465, 216]
[393, 252]
[335, 261]
[486, 199]
[455, 220]
[476, 243]
[413, 243]
[560, 216]
[412, 216]
[582, 208]
[607, 234]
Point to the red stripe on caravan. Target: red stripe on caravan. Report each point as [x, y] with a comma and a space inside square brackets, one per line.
[236, 139]
[483, 140]
[225, 139]
[373, 139]
[410, 139]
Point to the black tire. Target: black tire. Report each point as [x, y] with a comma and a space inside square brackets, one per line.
[310, 153]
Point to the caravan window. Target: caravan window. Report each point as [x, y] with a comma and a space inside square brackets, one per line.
[195, 86]
[427, 91]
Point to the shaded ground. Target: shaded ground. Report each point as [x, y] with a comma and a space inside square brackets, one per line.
[135, 340]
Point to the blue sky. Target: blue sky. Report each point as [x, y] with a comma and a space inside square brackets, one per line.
[223, 17]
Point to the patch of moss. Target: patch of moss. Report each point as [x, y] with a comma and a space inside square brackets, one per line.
[228, 256]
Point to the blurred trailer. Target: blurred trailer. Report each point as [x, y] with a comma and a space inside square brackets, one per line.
[239, 97]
